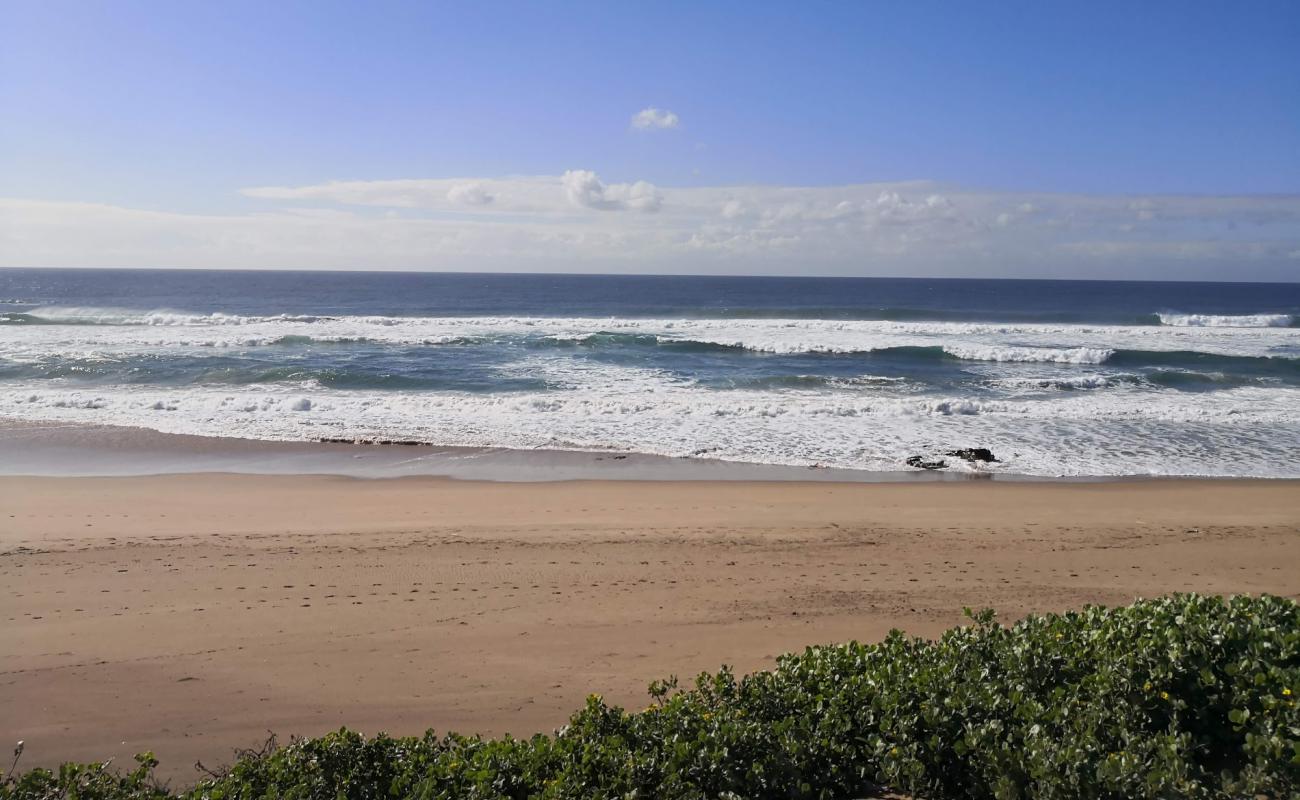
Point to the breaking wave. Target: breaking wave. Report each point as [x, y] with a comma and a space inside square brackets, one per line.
[1170, 393]
[57, 315]
[1227, 321]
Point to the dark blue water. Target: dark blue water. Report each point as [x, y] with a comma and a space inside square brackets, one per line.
[460, 294]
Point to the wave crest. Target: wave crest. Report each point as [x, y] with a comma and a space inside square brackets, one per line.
[1051, 355]
[63, 315]
[1227, 320]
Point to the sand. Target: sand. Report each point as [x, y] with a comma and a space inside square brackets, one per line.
[192, 614]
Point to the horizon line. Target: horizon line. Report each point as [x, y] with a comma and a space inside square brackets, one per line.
[426, 271]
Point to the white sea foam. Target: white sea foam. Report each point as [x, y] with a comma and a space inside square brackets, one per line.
[1126, 427]
[171, 318]
[1246, 431]
[1054, 355]
[1056, 343]
[122, 316]
[1226, 321]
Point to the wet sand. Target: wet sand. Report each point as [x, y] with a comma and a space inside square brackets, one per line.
[192, 614]
[62, 451]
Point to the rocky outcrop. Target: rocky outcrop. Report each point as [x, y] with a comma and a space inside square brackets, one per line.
[973, 454]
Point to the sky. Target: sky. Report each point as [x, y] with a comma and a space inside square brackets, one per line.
[982, 139]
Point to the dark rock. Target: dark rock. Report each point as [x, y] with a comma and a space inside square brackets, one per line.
[921, 462]
[974, 454]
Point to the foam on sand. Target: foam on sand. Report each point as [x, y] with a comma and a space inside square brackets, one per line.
[1249, 431]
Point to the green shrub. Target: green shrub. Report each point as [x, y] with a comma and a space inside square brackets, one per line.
[1184, 696]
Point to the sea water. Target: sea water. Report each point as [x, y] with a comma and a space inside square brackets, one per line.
[1056, 378]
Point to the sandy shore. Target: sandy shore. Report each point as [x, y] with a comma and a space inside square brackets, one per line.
[191, 614]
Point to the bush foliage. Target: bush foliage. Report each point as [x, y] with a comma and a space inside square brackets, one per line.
[1185, 696]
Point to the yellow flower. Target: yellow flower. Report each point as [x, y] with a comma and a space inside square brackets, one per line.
[1146, 687]
[893, 751]
[1286, 692]
[1164, 695]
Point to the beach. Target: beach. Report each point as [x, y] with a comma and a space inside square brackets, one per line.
[191, 615]
[653, 401]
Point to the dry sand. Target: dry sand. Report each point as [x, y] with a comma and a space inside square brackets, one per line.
[189, 615]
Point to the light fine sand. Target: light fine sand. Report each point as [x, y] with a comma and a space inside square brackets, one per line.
[190, 615]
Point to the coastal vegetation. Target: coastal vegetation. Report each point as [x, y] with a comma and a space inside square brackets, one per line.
[1182, 696]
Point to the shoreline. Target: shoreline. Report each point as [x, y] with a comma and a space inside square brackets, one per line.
[95, 450]
[190, 614]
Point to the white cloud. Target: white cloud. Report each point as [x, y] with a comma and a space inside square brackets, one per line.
[470, 194]
[585, 189]
[734, 209]
[504, 194]
[576, 221]
[654, 119]
[536, 194]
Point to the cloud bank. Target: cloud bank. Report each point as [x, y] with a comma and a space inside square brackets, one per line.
[577, 222]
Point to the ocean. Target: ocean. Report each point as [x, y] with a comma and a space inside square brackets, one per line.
[1056, 378]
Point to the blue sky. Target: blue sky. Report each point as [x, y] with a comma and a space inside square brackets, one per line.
[1068, 109]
